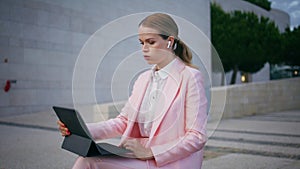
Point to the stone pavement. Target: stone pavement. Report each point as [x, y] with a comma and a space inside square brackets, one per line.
[270, 141]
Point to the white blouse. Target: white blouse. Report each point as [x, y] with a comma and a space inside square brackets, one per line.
[151, 98]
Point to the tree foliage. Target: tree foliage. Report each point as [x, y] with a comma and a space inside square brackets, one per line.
[244, 41]
[291, 50]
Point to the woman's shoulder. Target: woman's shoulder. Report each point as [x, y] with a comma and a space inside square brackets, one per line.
[191, 71]
[193, 75]
[144, 75]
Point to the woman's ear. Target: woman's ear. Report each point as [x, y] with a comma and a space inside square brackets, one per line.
[170, 41]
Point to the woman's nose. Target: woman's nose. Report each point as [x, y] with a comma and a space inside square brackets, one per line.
[145, 48]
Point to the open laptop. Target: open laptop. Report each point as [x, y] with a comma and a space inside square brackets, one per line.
[80, 141]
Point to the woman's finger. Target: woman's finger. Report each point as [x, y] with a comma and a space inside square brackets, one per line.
[63, 129]
[60, 123]
[127, 146]
[65, 133]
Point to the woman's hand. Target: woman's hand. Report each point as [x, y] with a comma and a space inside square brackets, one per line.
[63, 129]
[138, 149]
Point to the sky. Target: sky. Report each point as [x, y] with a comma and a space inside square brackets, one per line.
[292, 7]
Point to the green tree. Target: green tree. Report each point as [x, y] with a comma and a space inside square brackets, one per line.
[244, 41]
[291, 50]
[219, 25]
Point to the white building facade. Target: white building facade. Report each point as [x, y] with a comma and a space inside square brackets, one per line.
[41, 40]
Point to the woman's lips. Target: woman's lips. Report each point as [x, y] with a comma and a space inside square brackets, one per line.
[146, 57]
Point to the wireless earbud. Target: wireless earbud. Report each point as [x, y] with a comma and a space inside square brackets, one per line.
[169, 44]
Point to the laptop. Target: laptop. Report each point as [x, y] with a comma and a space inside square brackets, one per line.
[80, 141]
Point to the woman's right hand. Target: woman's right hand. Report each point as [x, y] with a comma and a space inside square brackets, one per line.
[63, 129]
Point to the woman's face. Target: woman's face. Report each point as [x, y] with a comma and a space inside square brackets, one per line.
[154, 47]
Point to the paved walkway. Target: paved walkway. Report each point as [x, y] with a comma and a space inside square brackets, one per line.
[270, 141]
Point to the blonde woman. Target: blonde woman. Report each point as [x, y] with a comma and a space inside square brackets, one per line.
[163, 122]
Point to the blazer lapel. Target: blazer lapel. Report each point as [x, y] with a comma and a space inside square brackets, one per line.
[135, 103]
[168, 95]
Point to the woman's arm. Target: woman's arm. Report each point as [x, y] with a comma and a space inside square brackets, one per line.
[108, 129]
[101, 130]
[179, 148]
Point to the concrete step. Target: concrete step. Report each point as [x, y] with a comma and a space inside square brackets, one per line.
[246, 161]
[270, 135]
[258, 137]
[254, 148]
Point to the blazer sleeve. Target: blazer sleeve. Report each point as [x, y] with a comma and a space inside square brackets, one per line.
[195, 122]
[108, 129]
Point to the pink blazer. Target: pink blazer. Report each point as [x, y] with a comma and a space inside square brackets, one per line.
[178, 132]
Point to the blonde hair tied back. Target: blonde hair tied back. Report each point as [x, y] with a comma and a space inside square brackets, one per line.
[166, 27]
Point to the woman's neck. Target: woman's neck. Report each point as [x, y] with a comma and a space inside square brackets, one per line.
[165, 63]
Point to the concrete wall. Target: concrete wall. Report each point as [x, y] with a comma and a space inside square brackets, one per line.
[40, 41]
[258, 98]
[232, 101]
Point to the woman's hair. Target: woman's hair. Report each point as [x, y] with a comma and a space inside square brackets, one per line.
[166, 27]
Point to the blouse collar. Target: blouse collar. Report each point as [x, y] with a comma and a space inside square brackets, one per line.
[164, 72]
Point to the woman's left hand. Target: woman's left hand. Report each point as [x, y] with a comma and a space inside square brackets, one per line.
[138, 149]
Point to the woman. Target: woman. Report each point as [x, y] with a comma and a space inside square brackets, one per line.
[163, 122]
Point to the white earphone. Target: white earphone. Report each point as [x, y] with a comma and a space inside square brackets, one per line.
[169, 44]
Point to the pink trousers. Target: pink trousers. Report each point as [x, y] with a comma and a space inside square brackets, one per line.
[112, 163]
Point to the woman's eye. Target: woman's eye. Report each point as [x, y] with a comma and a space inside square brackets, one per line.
[151, 42]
